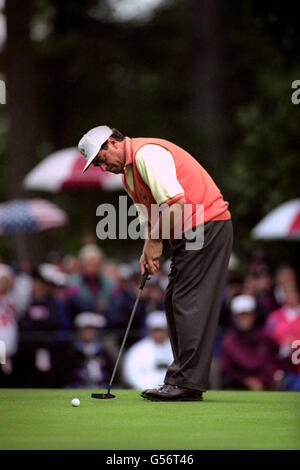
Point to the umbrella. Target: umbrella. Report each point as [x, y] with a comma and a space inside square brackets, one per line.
[22, 216]
[283, 222]
[62, 170]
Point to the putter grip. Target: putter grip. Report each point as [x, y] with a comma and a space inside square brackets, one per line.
[144, 279]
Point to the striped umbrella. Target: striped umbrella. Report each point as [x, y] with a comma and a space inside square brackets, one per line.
[62, 170]
[29, 216]
[283, 222]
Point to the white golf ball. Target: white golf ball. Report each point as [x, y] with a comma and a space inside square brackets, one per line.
[75, 402]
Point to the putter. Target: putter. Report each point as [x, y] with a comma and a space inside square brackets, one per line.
[108, 394]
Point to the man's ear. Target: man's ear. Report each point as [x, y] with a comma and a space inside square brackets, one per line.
[112, 141]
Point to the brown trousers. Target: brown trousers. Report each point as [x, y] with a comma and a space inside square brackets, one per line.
[192, 303]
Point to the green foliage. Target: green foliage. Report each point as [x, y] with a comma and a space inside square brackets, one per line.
[265, 168]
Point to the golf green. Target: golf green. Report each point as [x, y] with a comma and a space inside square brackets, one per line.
[45, 419]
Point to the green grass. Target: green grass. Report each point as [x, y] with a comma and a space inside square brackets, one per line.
[45, 419]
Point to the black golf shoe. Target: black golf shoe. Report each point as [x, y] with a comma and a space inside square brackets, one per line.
[172, 393]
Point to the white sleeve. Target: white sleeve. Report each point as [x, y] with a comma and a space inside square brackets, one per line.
[157, 169]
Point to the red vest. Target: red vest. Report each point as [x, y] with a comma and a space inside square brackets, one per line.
[198, 186]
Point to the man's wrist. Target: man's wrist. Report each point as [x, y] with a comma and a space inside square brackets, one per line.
[153, 239]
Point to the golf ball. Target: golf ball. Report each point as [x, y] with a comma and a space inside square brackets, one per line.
[75, 402]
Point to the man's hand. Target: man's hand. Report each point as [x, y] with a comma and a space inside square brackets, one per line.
[142, 265]
[150, 257]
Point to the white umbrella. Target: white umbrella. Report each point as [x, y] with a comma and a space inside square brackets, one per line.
[62, 170]
[283, 222]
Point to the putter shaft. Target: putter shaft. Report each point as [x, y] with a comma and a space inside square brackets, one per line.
[144, 278]
[124, 341]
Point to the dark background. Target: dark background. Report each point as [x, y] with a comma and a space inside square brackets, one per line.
[213, 76]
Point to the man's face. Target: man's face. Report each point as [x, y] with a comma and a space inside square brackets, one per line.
[111, 159]
[292, 298]
[159, 335]
[244, 321]
[88, 334]
[90, 267]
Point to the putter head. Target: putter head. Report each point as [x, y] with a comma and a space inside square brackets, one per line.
[103, 396]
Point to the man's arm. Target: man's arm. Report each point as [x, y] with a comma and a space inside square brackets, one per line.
[157, 169]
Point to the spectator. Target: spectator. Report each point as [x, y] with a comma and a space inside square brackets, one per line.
[119, 308]
[258, 263]
[247, 353]
[153, 296]
[285, 277]
[249, 285]
[153, 293]
[58, 281]
[122, 299]
[284, 326]
[88, 363]
[146, 362]
[55, 258]
[70, 265]
[234, 287]
[8, 326]
[111, 270]
[38, 357]
[89, 290]
[22, 288]
[265, 297]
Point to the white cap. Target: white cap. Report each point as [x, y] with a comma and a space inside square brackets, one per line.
[90, 251]
[6, 271]
[52, 274]
[156, 319]
[91, 143]
[243, 304]
[85, 319]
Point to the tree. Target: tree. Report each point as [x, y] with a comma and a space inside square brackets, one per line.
[21, 105]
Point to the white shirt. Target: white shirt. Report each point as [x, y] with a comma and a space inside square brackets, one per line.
[140, 363]
[8, 325]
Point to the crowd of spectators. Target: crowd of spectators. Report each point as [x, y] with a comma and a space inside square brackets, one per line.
[63, 322]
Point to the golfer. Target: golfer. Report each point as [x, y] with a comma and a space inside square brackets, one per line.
[158, 173]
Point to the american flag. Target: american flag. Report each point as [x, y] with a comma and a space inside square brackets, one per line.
[29, 216]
